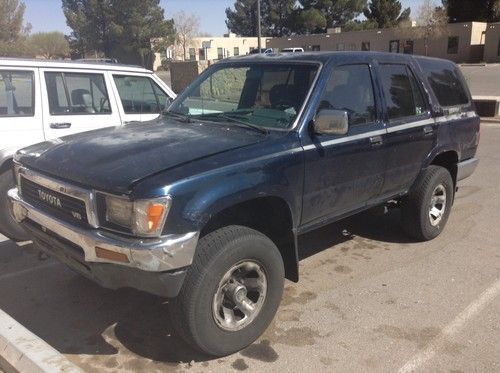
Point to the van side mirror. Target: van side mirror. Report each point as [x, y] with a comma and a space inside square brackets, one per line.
[331, 122]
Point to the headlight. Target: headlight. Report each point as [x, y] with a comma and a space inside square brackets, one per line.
[142, 217]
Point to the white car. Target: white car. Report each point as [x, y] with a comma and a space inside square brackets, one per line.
[292, 50]
[42, 100]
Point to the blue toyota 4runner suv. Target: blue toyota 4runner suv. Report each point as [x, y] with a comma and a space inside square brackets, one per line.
[205, 205]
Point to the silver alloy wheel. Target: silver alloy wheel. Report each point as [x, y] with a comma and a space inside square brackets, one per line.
[240, 295]
[437, 205]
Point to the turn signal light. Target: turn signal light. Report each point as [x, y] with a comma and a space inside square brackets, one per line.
[111, 255]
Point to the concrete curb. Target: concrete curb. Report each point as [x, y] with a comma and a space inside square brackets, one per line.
[491, 120]
[23, 351]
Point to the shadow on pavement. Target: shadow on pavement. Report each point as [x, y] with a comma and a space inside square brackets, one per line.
[77, 317]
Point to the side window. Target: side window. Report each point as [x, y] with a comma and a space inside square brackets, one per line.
[138, 95]
[77, 93]
[16, 94]
[402, 94]
[446, 83]
[162, 96]
[350, 88]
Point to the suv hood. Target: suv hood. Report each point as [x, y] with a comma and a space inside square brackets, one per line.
[113, 159]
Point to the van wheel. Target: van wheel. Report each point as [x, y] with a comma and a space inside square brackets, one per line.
[426, 209]
[8, 226]
[231, 292]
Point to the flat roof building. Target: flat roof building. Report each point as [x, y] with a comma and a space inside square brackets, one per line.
[459, 42]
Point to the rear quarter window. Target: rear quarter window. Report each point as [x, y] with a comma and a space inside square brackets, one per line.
[447, 83]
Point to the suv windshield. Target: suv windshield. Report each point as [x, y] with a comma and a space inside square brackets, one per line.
[259, 94]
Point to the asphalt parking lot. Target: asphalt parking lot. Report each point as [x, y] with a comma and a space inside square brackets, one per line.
[369, 299]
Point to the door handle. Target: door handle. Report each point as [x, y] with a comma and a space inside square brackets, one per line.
[376, 140]
[58, 126]
[428, 130]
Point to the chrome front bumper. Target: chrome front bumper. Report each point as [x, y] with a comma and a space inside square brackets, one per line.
[155, 255]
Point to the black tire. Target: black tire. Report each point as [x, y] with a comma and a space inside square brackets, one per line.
[8, 226]
[192, 310]
[415, 213]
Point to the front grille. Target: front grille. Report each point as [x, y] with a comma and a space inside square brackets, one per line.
[59, 205]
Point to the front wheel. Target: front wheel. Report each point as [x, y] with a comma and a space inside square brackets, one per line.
[231, 292]
[426, 209]
[8, 226]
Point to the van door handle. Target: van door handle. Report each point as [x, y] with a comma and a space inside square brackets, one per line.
[376, 140]
[428, 130]
[58, 126]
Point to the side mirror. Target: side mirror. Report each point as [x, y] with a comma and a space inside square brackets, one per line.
[331, 122]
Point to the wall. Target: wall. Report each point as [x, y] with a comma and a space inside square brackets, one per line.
[182, 73]
[492, 45]
[470, 33]
[228, 43]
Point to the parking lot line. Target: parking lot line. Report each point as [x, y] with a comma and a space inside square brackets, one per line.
[28, 270]
[452, 328]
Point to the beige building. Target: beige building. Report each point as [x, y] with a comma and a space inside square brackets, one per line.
[211, 48]
[459, 42]
[492, 43]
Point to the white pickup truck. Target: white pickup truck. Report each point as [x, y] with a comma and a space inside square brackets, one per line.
[42, 100]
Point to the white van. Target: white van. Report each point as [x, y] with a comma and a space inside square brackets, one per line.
[42, 100]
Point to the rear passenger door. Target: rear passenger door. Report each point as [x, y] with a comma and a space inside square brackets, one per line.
[141, 98]
[77, 101]
[411, 131]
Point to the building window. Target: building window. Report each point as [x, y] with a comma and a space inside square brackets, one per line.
[192, 54]
[201, 53]
[340, 47]
[394, 46]
[220, 53]
[365, 46]
[453, 45]
[408, 47]
[316, 48]
[236, 51]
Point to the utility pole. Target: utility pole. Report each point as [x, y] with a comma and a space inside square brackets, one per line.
[259, 44]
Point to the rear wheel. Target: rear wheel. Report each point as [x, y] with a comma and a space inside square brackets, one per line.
[426, 209]
[8, 226]
[231, 292]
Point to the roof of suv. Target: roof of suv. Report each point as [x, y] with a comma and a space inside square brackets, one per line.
[324, 57]
[64, 64]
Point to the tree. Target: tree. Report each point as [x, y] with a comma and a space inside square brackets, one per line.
[136, 23]
[48, 44]
[13, 31]
[276, 17]
[123, 29]
[91, 22]
[186, 28]
[243, 19]
[308, 21]
[335, 12]
[386, 13]
[472, 10]
[431, 20]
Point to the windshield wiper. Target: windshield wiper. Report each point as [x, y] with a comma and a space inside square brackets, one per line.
[237, 120]
[185, 117]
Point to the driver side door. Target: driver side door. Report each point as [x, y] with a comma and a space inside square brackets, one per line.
[343, 173]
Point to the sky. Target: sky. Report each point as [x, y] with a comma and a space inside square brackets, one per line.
[46, 15]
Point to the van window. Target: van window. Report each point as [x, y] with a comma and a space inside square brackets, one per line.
[139, 94]
[350, 88]
[16, 94]
[446, 83]
[77, 93]
[402, 95]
